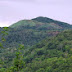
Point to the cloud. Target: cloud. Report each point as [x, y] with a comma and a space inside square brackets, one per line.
[19, 0]
[54, 2]
[3, 24]
[16, 0]
[49, 2]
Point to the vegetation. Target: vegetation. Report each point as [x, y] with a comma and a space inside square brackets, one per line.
[48, 20]
[30, 32]
[49, 54]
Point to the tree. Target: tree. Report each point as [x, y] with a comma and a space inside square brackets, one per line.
[18, 61]
[3, 33]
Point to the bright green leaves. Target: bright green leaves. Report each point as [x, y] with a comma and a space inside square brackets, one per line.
[1, 46]
[3, 33]
[18, 61]
[21, 47]
[6, 28]
[3, 39]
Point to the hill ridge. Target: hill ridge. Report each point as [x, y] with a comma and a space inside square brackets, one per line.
[41, 20]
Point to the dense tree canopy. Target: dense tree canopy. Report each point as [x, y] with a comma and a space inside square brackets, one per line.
[37, 45]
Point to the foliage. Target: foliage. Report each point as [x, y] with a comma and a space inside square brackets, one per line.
[50, 55]
[30, 32]
[44, 52]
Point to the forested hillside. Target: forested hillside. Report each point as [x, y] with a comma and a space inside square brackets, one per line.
[63, 25]
[38, 45]
[30, 32]
[50, 55]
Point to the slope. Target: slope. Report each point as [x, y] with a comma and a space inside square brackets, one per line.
[48, 20]
[30, 32]
[50, 55]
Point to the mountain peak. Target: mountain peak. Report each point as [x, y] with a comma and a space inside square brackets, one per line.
[43, 19]
[49, 20]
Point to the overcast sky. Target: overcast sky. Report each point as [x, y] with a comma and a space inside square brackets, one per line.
[14, 10]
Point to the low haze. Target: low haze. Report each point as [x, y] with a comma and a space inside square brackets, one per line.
[14, 10]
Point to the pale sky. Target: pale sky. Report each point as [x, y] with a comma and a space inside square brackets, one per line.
[12, 11]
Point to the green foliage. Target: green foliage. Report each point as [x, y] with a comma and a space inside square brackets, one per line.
[53, 54]
[2, 40]
[30, 32]
[1, 46]
[48, 20]
[50, 55]
[18, 61]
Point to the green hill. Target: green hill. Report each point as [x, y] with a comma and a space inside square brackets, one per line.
[32, 24]
[48, 20]
[38, 45]
[30, 32]
[50, 55]
[42, 22]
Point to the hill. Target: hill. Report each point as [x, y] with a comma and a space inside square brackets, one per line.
[50, 55]
[42, 22]
[48, 20]
[30, 32]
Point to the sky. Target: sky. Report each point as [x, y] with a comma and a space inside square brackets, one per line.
[12, 11]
